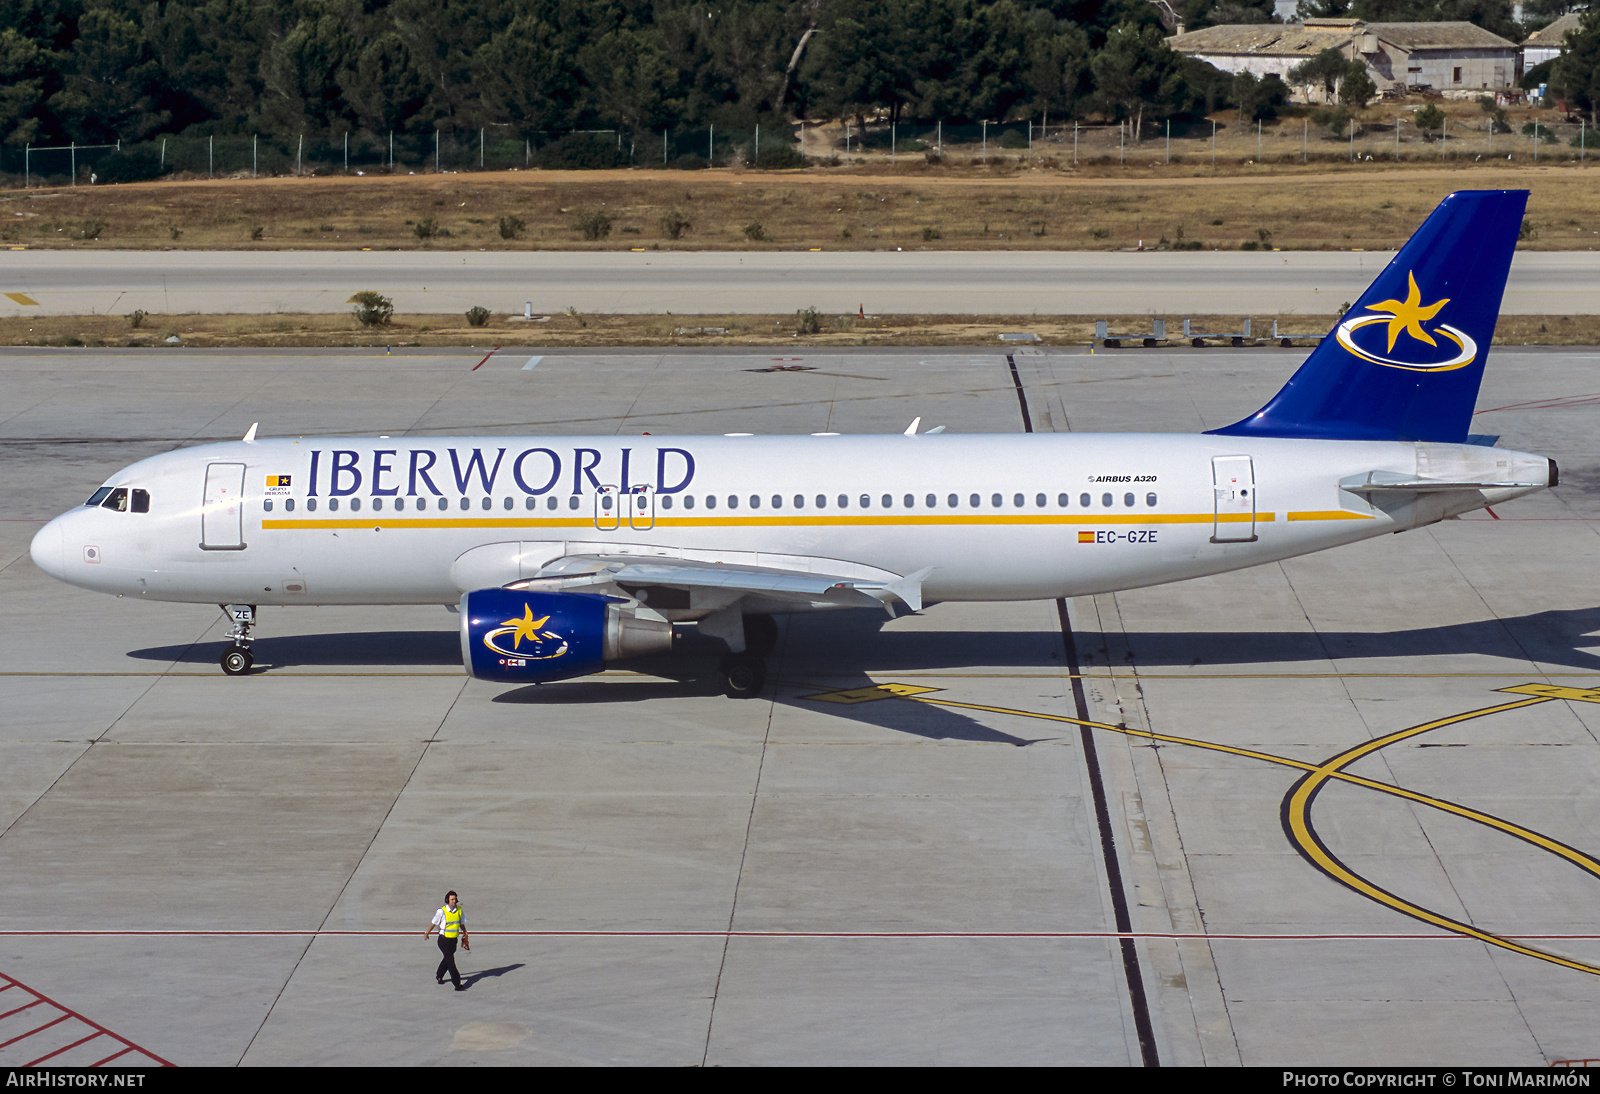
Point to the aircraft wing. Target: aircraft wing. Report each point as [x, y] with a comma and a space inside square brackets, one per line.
[693, 586]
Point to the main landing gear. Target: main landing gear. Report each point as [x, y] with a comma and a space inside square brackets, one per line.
[237, 659]
[744, 675]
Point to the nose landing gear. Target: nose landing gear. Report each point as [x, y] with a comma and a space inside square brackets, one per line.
[236, 660]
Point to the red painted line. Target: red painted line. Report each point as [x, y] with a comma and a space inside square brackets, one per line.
[486, 356]
[66, 1048]
[65, 1017]
[1491, 512]
[20, 1009]
[1157, 935]
[113, 1056]
[67, 1012]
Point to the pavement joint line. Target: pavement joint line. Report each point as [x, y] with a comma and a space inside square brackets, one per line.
[333, 905]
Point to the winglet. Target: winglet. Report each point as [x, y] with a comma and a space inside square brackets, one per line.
[911, 430]
[250, 437]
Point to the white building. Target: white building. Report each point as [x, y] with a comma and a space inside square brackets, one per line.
[1546, 45]
[1456, 59]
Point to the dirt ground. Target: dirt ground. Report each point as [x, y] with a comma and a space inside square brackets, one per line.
[208, 331]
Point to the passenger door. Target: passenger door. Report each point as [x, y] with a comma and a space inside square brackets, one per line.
[222, 513]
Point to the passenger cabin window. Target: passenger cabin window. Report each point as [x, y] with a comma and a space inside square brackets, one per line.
[311, 505]
[574, 501]
[1018, 500]
[666, 502]
[688, 501]
[399, 504]
[333, 504]
[377, 504]
[932, 500]
[1083, 500]
[954, 500]
[288, 505]
[822, 501]
[866, 501]
[799, 501]
[711, 501]
[974, 501]
[1063, 501]
[355, 504]
[1127, 499]
[1150, 500]
[266, 505]
[1105, 499]
[844, 501]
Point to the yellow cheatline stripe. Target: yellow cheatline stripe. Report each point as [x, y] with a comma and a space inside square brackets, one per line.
[1330, 514]
[22, 298]
[1318, 774]
[375, 521]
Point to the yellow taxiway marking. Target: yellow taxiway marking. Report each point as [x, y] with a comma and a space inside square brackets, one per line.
[1298, 802]
[867, 695]
[22, 298]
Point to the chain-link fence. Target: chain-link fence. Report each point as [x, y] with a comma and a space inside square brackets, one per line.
[1320, 136]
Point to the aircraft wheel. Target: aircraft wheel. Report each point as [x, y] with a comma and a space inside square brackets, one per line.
[743, 676]
[760, 634]
[236, 660]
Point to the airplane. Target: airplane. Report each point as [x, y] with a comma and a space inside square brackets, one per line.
[564, 555]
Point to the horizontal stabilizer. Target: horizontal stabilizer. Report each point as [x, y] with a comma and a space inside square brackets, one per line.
[1387, 482]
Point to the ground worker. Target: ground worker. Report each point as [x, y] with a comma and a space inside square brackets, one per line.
[452, 922]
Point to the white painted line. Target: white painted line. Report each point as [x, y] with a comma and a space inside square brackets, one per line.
[532, 362]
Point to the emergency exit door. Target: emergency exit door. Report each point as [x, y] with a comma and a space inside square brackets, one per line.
[1234, 481]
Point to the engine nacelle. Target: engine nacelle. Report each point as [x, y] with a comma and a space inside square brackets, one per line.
[529, 637]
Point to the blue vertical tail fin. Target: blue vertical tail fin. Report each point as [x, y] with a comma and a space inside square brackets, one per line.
[1405, 362]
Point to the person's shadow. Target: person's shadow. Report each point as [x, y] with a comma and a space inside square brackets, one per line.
[470, 978]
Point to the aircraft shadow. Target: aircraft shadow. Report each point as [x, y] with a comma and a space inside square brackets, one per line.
[835, 652]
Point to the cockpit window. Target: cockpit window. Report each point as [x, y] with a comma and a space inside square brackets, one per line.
[98, 496]
[118, 500]
[141, 501]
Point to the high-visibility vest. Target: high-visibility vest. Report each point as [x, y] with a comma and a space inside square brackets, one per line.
[452, 921]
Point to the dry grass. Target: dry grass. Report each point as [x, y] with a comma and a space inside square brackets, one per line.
[215, 331]
[866, 204]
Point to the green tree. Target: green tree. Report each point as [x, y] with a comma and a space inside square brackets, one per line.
[1577, 70]
[23, 70]
[110, 80]
[1327, 68]
[1428, 118]
[1135, 72]
[1357, 89]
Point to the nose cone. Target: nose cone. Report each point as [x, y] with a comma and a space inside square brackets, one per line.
[48, 551]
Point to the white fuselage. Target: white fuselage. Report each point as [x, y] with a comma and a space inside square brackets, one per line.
[1003, 517]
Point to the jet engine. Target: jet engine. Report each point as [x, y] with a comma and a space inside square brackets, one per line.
[523, 637]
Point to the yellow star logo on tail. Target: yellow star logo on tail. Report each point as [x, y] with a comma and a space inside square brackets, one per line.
[526, 627]
[1409, 315]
